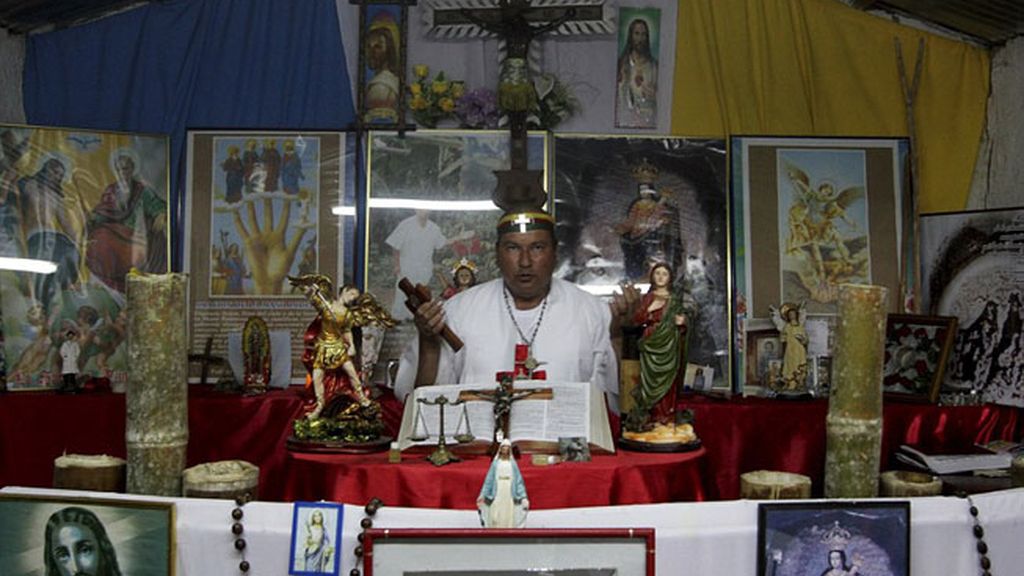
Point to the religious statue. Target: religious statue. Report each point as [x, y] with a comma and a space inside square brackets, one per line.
[662, 346]
[789, 320]
[331, 352]
[502, 502]
[463, 278]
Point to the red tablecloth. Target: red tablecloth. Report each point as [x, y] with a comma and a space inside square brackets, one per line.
[739, 435]
[746, 434]
[622, 478]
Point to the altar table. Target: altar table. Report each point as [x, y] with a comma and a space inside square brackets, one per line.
[607, 480]
[739, 435]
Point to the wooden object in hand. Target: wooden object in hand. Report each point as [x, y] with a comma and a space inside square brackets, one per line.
[415, 297]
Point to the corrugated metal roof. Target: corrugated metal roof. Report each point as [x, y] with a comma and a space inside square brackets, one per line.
[23, 16]
[990, 22]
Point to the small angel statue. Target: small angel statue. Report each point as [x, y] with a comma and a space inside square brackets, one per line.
[789, 320]
[330, 348]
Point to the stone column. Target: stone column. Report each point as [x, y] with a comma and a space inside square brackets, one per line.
[854, 422]
[156, 396]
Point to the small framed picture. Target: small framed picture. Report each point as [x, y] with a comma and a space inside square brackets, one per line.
[834, 538]
[574, 449]
[698, 378]
[316, 534]
[764, 350]
[822, 374]
[916, 351]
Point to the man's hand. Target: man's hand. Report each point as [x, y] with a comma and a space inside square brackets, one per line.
[429, 319]
[623, 307]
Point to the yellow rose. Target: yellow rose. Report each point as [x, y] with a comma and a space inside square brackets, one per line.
[439, 87]
[418, 103]
[421, 70]
[458, 89]
[447, 104]
[416, 89]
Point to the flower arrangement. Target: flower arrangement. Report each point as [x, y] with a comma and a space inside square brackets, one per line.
[555, 102]
[478, 109]
[433, 99]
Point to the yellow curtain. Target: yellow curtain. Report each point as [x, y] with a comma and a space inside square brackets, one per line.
[820, 68]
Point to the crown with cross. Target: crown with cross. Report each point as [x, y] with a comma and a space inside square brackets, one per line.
[836, 537]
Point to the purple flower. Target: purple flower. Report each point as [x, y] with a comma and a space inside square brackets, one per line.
[478, 108]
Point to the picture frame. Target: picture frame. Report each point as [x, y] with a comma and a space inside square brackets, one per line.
[811, 539]
[504, 552]
[67, 198]
[763, 347]
[917, 349]
[971, 268]
[811, 213]
[138, 535]
[252, 193]
[675, 211]
[316, 538]
[381, 89]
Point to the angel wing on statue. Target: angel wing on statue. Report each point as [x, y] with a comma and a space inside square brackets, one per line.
[330, 347]
[790, 321]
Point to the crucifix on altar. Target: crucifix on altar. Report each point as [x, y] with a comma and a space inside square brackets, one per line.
[503, 396]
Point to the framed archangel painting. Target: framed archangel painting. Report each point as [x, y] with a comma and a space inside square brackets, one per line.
[78, 210]
[972, 268]
[809, 214]
[62, 535]
[430, 214]
[625, 203]
[262, 205]
[833, 538]
[509, 552]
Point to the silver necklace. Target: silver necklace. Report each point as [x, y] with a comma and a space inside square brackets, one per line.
[531, 362]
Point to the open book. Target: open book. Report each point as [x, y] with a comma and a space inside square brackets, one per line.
[571, 409]
[952, 463]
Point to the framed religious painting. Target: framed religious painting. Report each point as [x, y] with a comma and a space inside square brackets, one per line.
[625, 203]
[972, 268]
[65, 535]
[916, 352]
[429, 214]
[509, 552]
[316, 538]
[380, 95]
[833, 538]
[78, 210]
[636, 78]
[262, 206]
[763, 357]
[809, 214]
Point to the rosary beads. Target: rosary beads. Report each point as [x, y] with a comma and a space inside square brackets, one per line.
[366, 523]
[237, 529]
[979, 535]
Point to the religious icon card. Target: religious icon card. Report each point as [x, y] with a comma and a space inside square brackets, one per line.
[88, 536]
[972, 268]
[381, 98]
[78, 210]
[636, 79]
[625, 203]
[833, 538]
[316, 538]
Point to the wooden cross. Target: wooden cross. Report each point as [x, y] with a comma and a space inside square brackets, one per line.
[206, 359]
[503, 396]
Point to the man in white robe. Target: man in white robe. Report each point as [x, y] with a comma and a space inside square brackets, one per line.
[567, 329]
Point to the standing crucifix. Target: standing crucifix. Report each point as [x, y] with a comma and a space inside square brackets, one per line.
[517, 23]
[503, 396]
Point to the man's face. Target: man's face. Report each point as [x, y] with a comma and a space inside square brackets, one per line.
[638, 36]
[125, 168]
[526, 260]
[76, 551]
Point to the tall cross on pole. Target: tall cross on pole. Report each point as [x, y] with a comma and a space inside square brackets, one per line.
[517, 23]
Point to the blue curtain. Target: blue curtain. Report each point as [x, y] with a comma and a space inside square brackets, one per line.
[179, 64]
